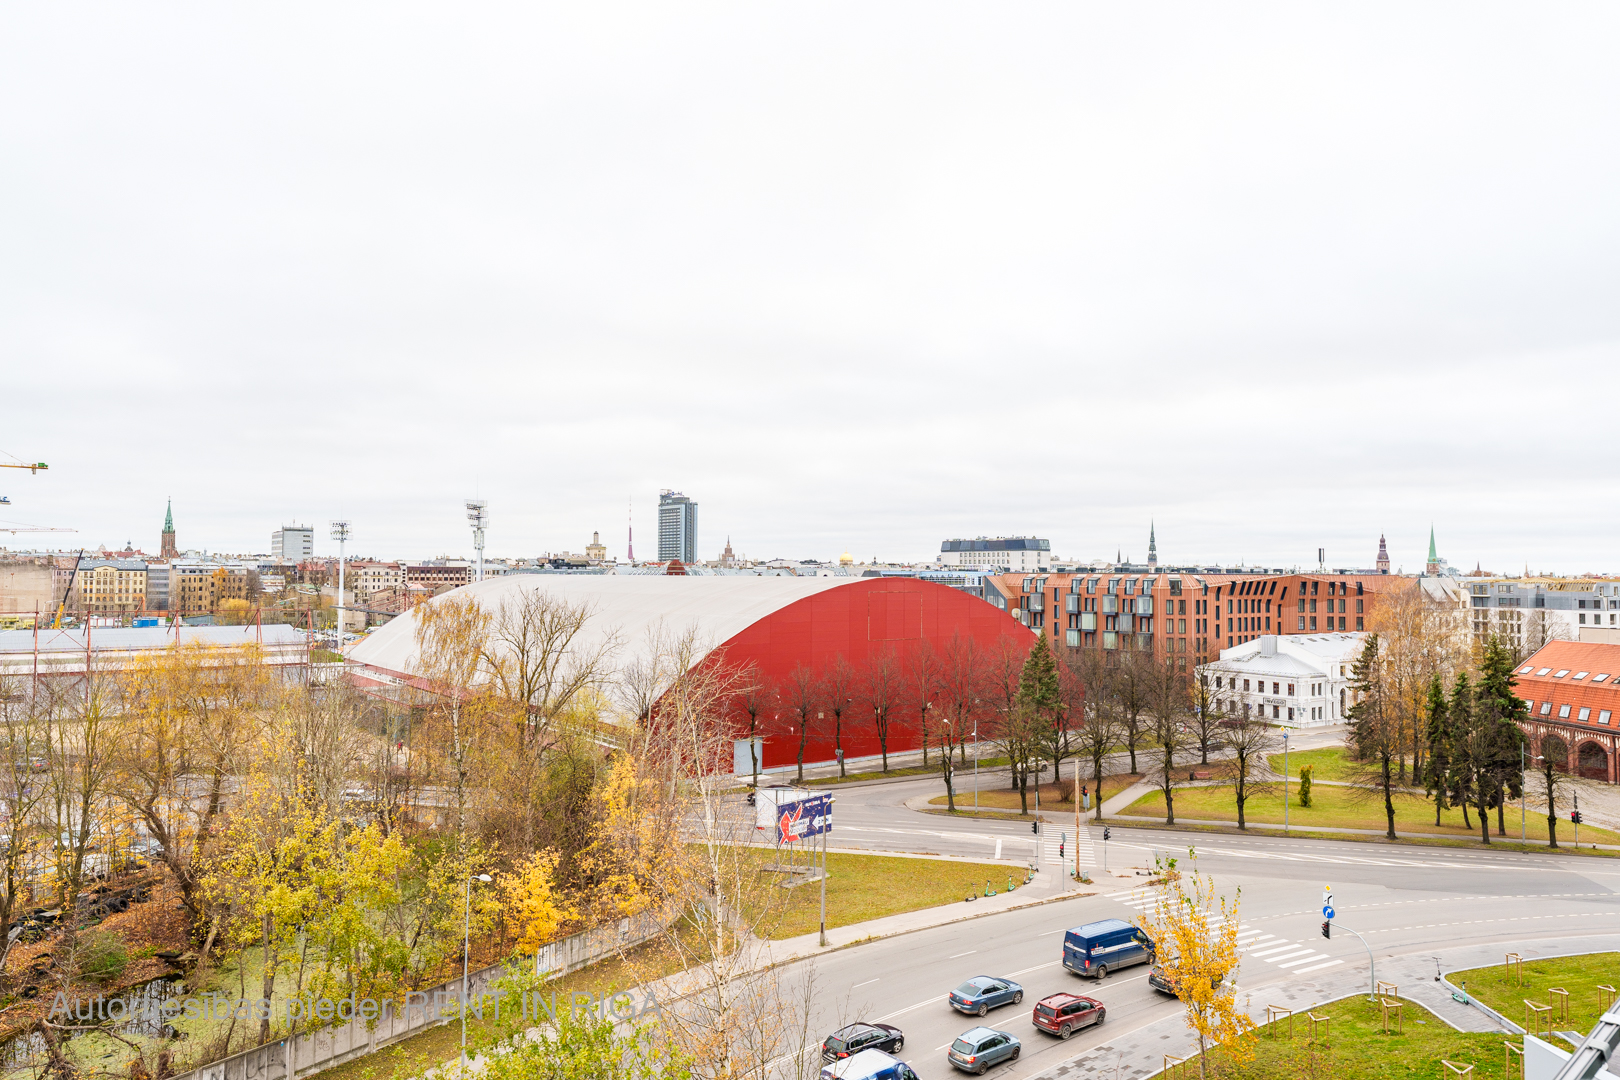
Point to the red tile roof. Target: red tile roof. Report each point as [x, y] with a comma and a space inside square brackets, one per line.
[1597, 690]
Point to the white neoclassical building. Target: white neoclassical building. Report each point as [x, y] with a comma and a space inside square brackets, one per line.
[1301, 680]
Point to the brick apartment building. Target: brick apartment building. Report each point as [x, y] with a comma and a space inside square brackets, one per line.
[1190, 613]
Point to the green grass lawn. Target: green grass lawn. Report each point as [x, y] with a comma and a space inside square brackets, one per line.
[862, 887]
[1499, 988]
[1329, 763]
[1358, 1049]
[1347, 808]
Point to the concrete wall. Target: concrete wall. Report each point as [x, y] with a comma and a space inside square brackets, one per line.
[25, 587]
[317, 1050]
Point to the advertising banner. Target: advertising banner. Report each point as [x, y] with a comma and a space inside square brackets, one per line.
[803, 819]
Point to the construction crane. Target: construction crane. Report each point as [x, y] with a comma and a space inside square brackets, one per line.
[15, 527]
[31, 466]
[60, 608]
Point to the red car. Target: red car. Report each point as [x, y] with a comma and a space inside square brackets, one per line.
[1064, 1014]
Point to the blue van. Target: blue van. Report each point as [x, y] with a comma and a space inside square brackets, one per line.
[1095, 949]
[868, 1065]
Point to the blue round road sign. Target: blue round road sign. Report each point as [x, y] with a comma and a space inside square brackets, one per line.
[1327, 910]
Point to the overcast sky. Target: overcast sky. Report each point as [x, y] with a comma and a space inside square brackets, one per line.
[850, 275]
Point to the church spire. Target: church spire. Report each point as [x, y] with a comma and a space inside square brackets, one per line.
[1383, 555]
[1433, 566]
[168, 517]
[1153, 544]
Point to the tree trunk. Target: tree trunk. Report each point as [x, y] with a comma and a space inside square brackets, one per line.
[269, 982]
[1242, 795]
[1484, 814]
[1552, 811]
[1389, 800]
[1501, 809]
[1023, 791]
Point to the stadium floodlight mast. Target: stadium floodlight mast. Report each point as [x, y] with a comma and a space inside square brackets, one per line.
[478, 516]
[340, 533]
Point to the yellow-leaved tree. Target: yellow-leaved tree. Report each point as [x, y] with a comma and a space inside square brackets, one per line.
[531, 900]
[1194, 932]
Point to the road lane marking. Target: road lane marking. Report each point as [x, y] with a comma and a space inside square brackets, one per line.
[1037, 967]
[1318, 967]
[1304, 959]
[970, 952]
[868, 982]
[912, 1008]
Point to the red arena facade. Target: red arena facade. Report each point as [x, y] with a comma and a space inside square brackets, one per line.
[773, 625]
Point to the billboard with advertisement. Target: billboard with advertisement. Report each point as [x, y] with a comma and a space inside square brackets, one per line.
[792, 814]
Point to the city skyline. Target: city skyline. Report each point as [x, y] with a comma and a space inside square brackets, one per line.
[1254, 278]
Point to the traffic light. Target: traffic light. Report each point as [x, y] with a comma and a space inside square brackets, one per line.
[1106, 832]
[1575, 816]
[1327, 928]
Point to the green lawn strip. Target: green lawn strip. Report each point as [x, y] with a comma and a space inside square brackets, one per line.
[1358, 1048]
[1347, 808]
[1497, 842]
[1051, 794]
[863, 887]
[1499, 987]
[910, 770]
[413, 1056]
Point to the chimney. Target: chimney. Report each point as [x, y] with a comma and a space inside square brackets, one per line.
[1268, 644]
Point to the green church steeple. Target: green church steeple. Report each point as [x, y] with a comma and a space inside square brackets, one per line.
[168, 518]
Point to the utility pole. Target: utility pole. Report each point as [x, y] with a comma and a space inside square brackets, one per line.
[1285, 780]
[478, 516]
[340, 533]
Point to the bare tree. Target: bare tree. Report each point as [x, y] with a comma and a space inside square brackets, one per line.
[1206, 716]
[1097, 729]
[960, 687]
[882, 683]
[1249, 741]
[1130, 687]
[756, 698]
[1165, 686]
[539, 652]
[20, 791]
[1375, 735]
[837, 688]
[922, 679]
[801, 694]
[1538, 628]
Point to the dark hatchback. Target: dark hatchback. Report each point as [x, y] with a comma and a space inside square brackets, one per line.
[852, 1039]
[978, 996]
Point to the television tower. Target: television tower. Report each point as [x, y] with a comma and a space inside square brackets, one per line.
[630, 533]
[340, 533]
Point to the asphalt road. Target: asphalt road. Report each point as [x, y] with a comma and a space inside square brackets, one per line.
[1405, 899]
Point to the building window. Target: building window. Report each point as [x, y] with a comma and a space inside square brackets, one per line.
[1546, 708]
[1302, 622]
[1585, 715]
[1313, 622]
[1245, 685]
[1603, 716]
[1563, 712]
[1359, 624]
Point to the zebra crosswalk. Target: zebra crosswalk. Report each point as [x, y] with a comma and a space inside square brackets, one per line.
[1253, 944]
[1071, 852]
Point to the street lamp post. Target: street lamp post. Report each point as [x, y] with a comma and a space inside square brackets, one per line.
[975, 762]
[1285, 781]
[466, 952]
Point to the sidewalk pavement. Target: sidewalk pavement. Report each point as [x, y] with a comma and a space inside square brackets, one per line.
[1140, 1053]
[1274, 828]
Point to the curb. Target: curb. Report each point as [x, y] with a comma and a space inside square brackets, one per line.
[1323, 832]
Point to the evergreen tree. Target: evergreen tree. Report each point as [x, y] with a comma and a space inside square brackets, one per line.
[1460, 716]
[1040, 694]
[1437, 733]
[1374, 731]
[1499, 711]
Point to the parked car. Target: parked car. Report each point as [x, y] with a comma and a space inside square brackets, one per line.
[853, 1038]
[981, 1048]
[868, 1065]
[980, 995]
[1064, 1014]
[1095, 949]
[1164, 982]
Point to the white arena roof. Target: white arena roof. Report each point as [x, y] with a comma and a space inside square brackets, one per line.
[634, 608]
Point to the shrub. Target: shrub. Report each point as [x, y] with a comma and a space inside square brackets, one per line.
[101, 956]
[1305, 785]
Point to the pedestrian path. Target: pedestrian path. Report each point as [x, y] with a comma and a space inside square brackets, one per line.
[1253, 944]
